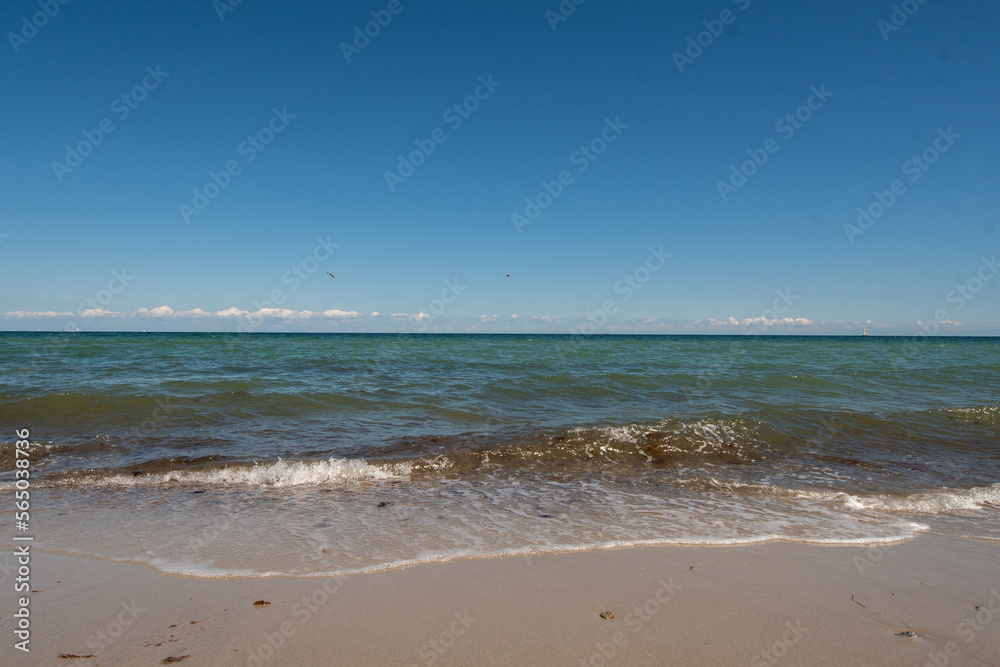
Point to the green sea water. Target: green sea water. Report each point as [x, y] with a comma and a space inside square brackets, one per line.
[350, 452]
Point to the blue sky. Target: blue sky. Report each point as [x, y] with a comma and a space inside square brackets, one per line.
[649, 230]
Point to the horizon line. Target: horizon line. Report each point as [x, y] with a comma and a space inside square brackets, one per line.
[502, 333]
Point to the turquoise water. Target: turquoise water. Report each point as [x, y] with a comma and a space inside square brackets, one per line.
[327, 451]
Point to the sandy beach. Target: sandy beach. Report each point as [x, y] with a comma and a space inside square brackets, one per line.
[765, 604]
[423, 334]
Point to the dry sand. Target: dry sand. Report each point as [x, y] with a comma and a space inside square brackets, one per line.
[776, 603]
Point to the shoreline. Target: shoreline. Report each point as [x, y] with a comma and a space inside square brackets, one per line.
[746, 604]
[526, 552]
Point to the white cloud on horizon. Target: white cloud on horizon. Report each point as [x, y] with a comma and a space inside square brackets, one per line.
[343, 313]
[100, 312]
[283, 313]
[163, 312]
[35, 314]
[337, 319]
[732, 322]
[947, 323]
[160, 311]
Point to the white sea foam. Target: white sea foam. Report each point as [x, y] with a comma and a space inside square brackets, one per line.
[277, 475]
[346, 529]
[708, 429]
[930, 502]
[203, 570]
[703, 436]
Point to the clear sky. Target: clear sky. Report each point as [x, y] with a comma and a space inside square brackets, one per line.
[652, 166]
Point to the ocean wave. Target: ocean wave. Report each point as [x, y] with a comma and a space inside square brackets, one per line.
[664, 442]
[281, 474]
[852, 453]
[939, 501]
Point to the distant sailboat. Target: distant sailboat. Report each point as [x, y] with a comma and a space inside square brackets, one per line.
[866, 332]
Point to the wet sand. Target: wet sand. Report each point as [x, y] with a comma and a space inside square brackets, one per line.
[767, 604]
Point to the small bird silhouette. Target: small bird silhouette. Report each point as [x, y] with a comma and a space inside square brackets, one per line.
[330, 274]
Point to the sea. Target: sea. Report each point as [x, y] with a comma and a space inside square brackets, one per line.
[251, 455]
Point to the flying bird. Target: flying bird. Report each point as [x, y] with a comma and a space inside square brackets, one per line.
[330, 274]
